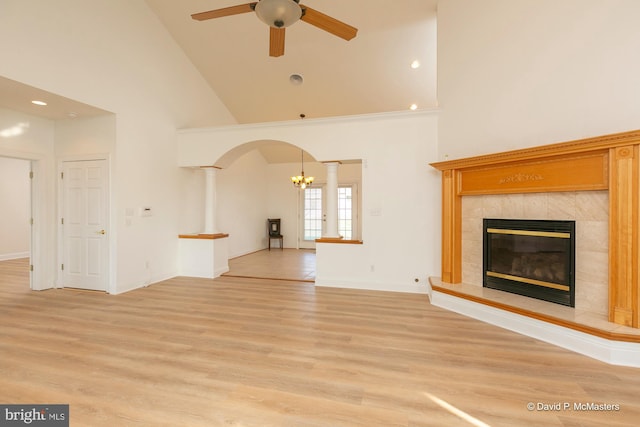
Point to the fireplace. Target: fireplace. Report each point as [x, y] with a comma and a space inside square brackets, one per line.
[534, 258]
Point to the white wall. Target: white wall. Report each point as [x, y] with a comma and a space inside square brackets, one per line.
[15, 208]
[522, 73]
[34, 139]
[192, 182]
[242, 203]
[116, 55]
[91, 135]
[400, 193]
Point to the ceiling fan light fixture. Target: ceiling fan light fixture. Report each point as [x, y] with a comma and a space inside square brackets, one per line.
[278, 13]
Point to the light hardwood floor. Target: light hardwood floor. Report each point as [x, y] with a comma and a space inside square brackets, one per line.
[252, 352]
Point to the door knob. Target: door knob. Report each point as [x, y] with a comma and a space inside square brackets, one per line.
[102, 232]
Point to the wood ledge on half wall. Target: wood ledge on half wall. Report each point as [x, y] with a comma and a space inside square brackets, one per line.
[338, 240]
[204, 236]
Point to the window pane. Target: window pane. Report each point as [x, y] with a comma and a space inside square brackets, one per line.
[345, 212]
[312, 213]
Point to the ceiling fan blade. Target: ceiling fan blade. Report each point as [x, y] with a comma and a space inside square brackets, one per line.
[225, 11]
[327, 23]
[276, 41]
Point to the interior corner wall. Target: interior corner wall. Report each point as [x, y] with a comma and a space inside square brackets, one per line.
[242, 200]
[192, 182]
[127, 63]
[514, 74]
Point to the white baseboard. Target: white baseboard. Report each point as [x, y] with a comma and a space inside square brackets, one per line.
[414, 288]
[220, 271]
[15, 255]
[144, 284]
[608, 351]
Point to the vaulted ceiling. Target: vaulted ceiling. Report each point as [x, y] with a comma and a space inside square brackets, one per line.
[369, 74]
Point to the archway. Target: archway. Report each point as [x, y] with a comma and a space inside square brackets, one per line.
[251, 184]
[274, 151]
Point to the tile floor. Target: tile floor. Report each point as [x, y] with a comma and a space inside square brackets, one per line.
[285, 264]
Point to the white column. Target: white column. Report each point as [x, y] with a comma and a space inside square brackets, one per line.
[210, 201]
[331, 228]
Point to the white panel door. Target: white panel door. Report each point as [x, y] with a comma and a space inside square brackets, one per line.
[84, 223]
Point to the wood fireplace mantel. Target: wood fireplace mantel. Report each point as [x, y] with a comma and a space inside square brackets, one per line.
[609, 162]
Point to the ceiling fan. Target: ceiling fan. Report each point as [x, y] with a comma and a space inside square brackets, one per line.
[279, 14]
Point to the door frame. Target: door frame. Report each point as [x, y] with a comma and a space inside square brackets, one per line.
[109, 255]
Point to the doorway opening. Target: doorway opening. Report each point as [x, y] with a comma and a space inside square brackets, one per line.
[16, 236]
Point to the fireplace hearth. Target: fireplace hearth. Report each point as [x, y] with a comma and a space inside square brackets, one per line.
[534, 258]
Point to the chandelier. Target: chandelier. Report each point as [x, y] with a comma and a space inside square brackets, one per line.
[301, 181]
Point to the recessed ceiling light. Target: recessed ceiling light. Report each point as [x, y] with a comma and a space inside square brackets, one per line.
[415, 64]
[38, 102]
[413, 107]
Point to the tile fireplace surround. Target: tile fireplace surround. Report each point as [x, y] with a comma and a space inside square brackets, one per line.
[594, 181]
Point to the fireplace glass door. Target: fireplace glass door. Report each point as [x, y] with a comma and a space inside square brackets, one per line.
[535, 258]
